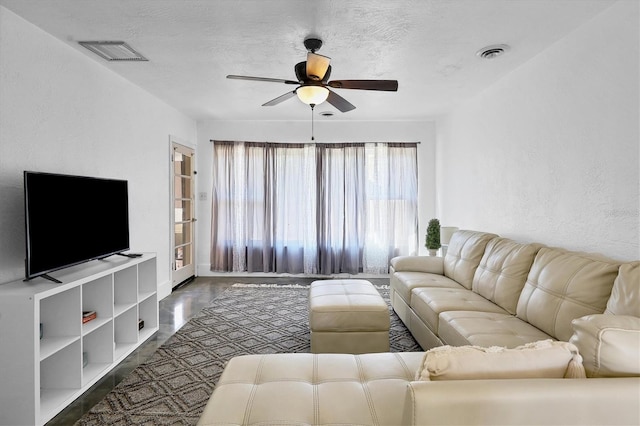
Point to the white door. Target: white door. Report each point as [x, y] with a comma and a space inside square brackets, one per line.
[183, 160]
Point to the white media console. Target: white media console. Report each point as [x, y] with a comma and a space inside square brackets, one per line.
[41, 375]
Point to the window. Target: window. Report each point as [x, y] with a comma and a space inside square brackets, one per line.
[313, 208]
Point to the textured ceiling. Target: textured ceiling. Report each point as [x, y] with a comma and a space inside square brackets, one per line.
[429, 46]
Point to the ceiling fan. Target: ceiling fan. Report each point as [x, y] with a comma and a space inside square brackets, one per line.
[313, 81]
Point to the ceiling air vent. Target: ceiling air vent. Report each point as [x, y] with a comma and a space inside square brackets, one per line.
[492, 51]
[113, 50]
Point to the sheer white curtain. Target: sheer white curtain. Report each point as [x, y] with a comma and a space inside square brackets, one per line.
[391, 208]
[292, 208]
[312, 208]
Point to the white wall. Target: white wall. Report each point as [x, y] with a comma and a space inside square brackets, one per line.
[551, 152]
[325, 131]
[65, 113]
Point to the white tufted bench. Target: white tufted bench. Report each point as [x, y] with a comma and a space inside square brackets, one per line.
[347, 316]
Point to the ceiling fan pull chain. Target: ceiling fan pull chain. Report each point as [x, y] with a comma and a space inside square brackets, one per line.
[312, 105]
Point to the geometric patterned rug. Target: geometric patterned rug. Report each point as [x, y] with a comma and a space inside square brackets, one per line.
[174, 385]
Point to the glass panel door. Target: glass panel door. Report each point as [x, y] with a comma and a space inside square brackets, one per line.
[183, 214]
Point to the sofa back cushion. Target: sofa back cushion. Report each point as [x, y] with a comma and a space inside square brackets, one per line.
[625, 295]
[463, 255]
[503, 271]
[562, 286]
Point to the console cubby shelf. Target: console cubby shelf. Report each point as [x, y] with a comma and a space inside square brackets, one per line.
[42, 375]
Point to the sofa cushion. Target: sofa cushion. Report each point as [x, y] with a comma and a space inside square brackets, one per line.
[541, 359]
[503, 271]
[562, 286]
[625, 295]
[609, 344]
[404, 282]
[428, 303]
[463, 255]
[459, 328]
[312, 389]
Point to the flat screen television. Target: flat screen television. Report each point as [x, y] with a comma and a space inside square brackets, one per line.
[72, 219]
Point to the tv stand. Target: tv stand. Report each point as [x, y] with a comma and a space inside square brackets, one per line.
[50, 278]
[40, 374]
[46, 276]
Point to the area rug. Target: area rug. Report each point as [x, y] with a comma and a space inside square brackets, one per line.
[174, 385]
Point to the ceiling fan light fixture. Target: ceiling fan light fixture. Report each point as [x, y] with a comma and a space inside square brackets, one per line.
[313, 82]
[317, 66]
[312, 95]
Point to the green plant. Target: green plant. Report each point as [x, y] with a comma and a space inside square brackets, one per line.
[433, 235]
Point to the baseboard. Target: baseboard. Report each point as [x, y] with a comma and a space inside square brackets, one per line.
[204, 271]
[164, 290]
[276, 275]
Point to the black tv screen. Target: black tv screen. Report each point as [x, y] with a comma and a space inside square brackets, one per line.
[73, 219]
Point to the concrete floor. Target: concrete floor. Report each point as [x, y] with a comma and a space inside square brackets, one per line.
[174, 311]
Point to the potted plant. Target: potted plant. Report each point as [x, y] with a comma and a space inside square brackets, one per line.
[432, 242]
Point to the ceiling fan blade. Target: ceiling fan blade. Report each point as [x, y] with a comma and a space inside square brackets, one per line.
[272, 80]
[339, 102]
[280, 98]
[385, 85]
[317, 66]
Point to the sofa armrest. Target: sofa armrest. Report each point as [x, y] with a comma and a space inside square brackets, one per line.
[429, 264]
[609, 344]
[524, 401]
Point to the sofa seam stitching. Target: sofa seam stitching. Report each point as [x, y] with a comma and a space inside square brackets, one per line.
[254, 389]
[316, 402]
[367, 394]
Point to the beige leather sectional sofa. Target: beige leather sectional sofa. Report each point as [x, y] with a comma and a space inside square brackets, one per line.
[492, 291]
[487, 291]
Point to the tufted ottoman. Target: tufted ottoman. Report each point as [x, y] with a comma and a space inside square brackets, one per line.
[347, 316]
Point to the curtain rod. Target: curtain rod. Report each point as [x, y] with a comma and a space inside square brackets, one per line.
[309, 142]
